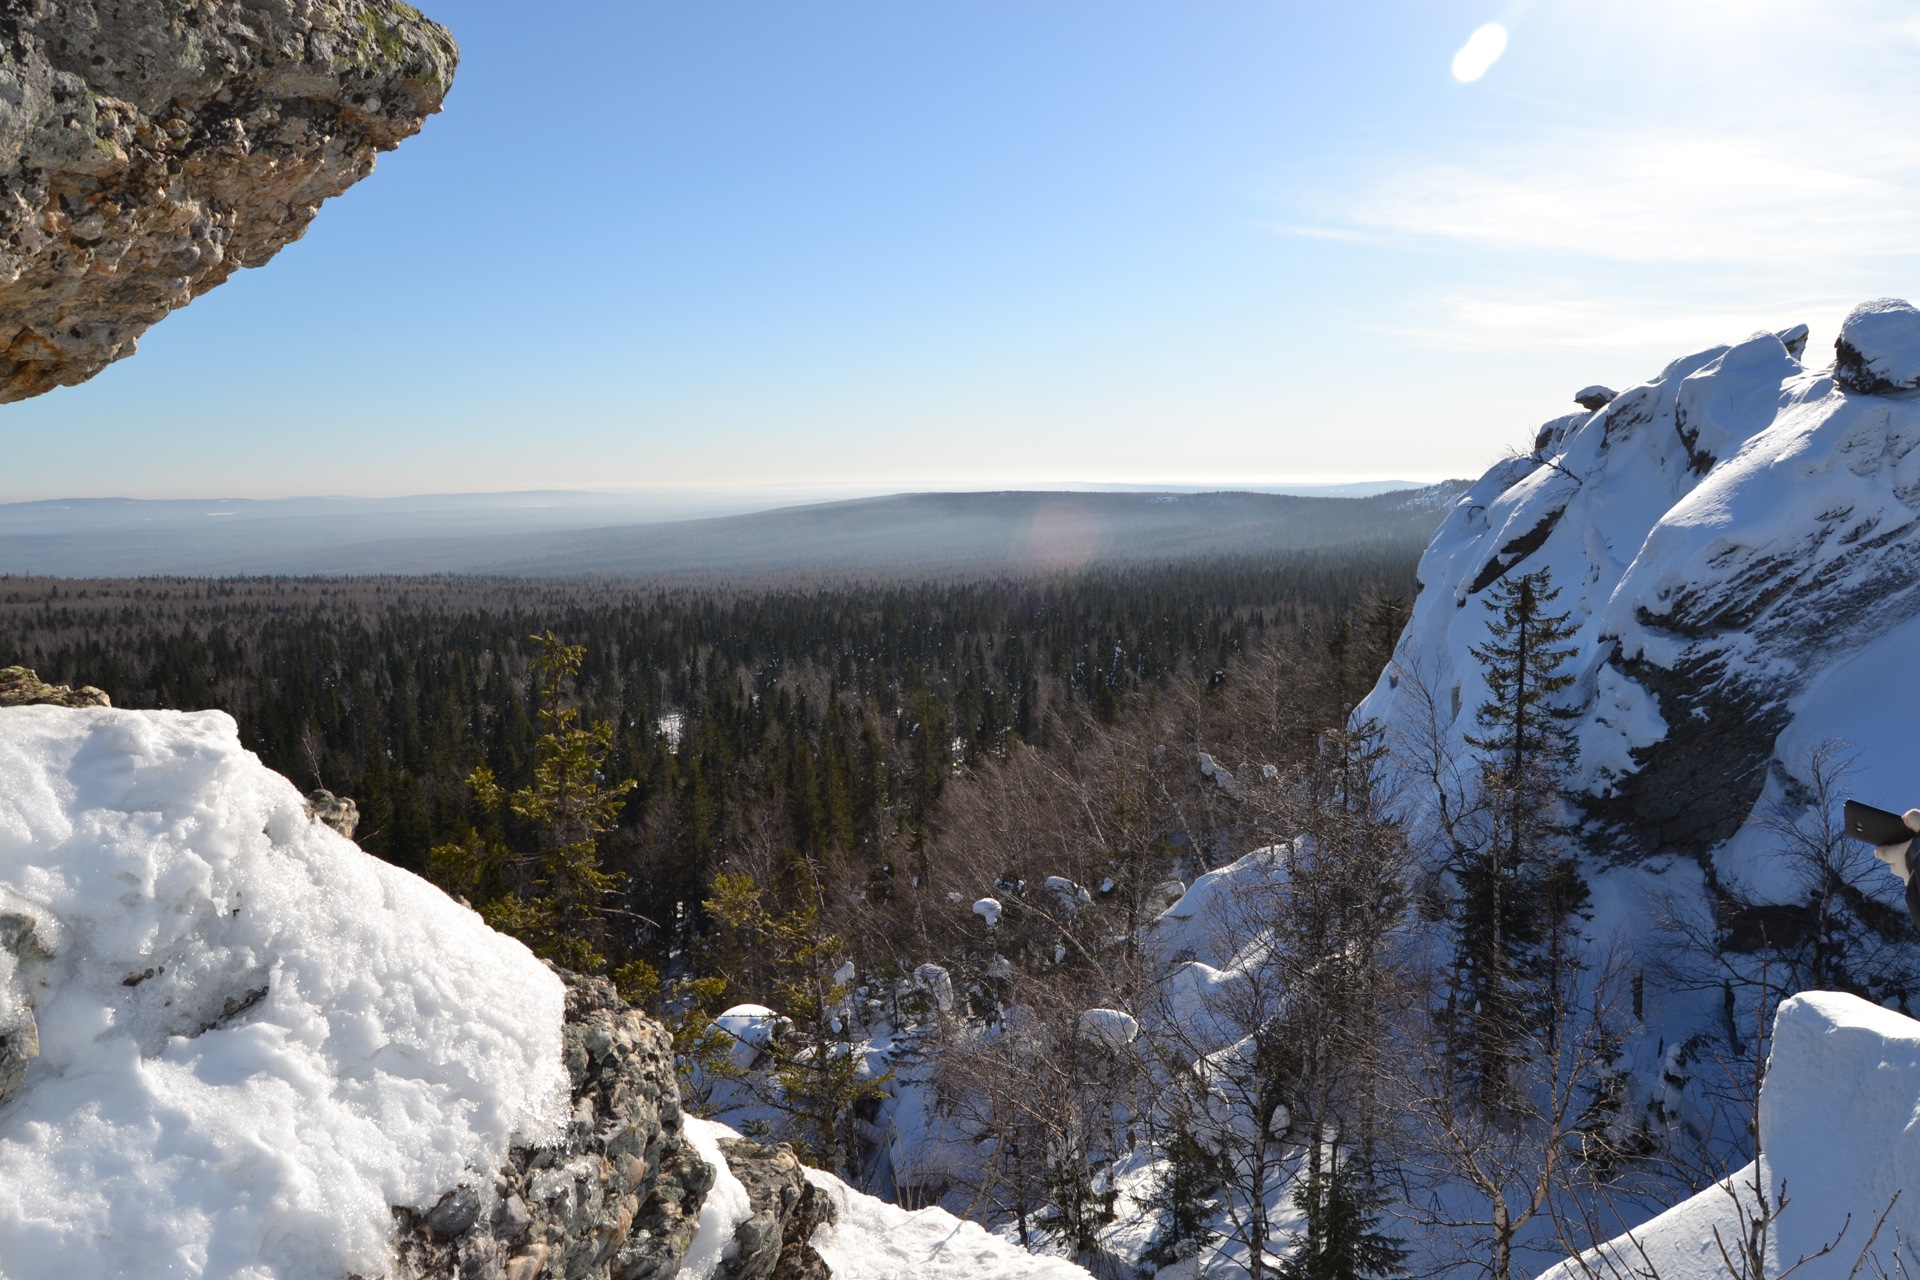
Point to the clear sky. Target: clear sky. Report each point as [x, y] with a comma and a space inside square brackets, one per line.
[985, 242]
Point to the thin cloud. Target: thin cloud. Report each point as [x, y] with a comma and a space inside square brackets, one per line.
[1656, 196]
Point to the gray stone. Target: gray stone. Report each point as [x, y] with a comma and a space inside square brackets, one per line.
[776, 1242]
[338, 812]
[150, 148]
[19, 1046]
[1594, 397]
[458, 1210]
[616, 1197]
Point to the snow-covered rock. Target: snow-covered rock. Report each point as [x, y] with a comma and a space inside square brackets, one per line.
[1724, 536]
[752, 1027]
[254, 1040]
[1879, 348]
[1837, 1129]
[1111, 1029]
[1594, 397]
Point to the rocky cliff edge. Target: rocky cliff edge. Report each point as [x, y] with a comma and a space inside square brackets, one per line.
[149, 148]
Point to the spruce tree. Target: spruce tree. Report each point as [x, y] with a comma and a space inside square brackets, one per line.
[1517, 888]
[550, 891]
[1340, 1199]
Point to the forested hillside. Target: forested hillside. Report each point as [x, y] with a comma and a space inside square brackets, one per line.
[827, 721]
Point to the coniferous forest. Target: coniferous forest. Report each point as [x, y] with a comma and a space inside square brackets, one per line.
[826, 722]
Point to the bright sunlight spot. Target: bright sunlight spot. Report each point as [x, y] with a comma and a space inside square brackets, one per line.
[1482, 49]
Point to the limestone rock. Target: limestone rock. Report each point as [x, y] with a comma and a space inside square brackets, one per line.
[776, 1242]
[1878, 350]
[338, 812]
[149, 148]
[20, 687]
[1594, 397]
[616, 1197]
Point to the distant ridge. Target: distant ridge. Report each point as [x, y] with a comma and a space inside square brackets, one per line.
[547, 535]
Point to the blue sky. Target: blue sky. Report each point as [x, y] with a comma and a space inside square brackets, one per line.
[840, 246]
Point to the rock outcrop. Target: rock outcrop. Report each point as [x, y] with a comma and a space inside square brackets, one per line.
[20, 687]
[338, 812]
[1723, 536]
[1878, 350]
[616, 1198]
[776, 1243]
[149, 149]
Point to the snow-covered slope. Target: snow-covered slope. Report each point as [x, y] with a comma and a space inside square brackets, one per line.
[1736, 540]
[1839, 1130]
[253, 1038]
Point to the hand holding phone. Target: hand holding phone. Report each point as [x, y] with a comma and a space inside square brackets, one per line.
[1876, 826]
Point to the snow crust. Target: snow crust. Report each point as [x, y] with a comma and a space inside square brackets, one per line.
[870, 1239]
[254, 1037]
[1839, 1127]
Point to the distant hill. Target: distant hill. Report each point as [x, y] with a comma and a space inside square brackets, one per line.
[919, 534]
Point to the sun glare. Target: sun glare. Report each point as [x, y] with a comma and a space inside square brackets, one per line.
[1482, 49]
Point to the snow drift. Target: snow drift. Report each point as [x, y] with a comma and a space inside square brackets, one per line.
[253, 1038]
[1839, 1129]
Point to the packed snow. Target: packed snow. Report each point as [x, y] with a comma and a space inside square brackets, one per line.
[870, 1239]
[254, 1038]
[727, 1204]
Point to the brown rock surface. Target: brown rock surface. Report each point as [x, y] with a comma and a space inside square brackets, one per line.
[149, 148]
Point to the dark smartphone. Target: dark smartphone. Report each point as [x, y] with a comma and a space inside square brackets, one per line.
[1876, 826]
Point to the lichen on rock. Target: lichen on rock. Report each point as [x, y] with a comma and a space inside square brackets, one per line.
[149, 148]
[20, 687]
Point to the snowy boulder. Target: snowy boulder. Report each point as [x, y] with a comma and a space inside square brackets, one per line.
[1794, 339]
[1595, 397]
[1111, 1029]
[1736, 543]
[753, 1027]
[1879, 348]
[1836, 1128]
[254, 1039]
[988, 909]
[1069, 895]
[937, 983]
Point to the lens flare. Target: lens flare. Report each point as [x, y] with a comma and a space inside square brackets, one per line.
[1482, 49]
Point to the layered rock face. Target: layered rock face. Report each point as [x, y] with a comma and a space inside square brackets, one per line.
[149, 148]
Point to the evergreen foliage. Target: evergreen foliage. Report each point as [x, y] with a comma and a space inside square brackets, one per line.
[1341, 1201]
[1518, 889]
[550, 892]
